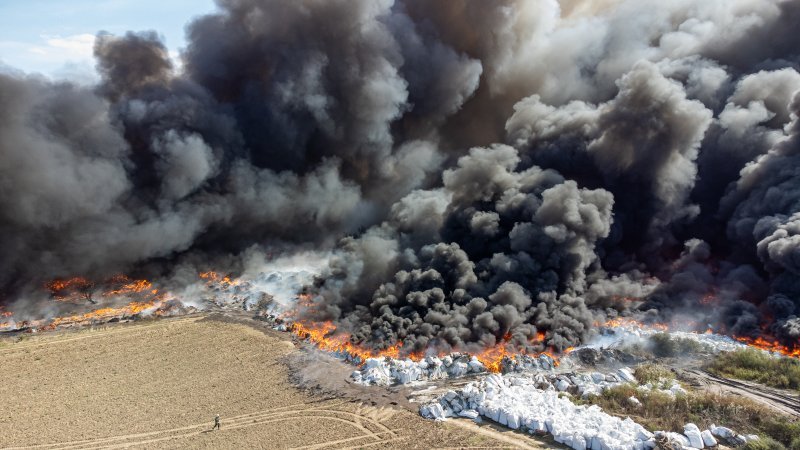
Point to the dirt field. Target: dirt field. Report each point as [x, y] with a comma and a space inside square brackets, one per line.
[158, 384]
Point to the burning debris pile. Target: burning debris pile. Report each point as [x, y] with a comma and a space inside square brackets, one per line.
[130, 311]
[396, 364]
[390, 371]
[608, 345]
[622, 334]
[265, 292]
[527, 392]
[480, 176]
[619, 333]
[124, 298]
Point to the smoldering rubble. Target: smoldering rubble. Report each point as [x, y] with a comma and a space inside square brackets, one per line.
[481, 172]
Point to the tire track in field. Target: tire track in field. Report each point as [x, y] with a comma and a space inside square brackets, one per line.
[368, 428]
[774, 398]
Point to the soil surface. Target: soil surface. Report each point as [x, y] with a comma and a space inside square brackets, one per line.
[784, 401]
[159, 383]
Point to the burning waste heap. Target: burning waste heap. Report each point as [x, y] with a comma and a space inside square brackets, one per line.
[266, 293]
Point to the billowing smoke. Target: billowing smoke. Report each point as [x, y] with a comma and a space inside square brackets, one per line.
[508, 170]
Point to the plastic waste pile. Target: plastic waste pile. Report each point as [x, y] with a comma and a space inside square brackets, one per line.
[536, 404]
[516, 402]
[388, 371]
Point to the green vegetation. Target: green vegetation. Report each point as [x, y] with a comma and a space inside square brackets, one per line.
[665, 346]
[755, 365]
[656, 412]
[660, 411]
[783, 431]
[765, 443]
[654, 374]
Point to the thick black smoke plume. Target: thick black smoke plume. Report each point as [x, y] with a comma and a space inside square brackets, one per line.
[481, 170]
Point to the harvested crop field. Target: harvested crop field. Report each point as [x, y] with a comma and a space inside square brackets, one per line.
[158, 384]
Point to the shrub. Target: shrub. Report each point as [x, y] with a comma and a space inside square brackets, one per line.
[663, 345]
[784, 431]
[653, 373]
[765, 443]
[661, 411]
[756, 365]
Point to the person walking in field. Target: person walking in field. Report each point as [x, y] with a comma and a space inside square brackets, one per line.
[216, 423]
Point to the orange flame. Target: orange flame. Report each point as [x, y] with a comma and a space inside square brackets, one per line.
[622, 322]
[212, 278]
[758, 342]
[80, 289]
[325, 336]
[68, 289]
[101, 314]
[772, 346]
[141, 293]
[129, 287]
[492, 357]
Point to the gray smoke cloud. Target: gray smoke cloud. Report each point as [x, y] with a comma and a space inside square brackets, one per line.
[482, 172]
[511, 252]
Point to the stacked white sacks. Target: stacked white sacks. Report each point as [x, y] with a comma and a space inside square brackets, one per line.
[692, 433]
[516, 402]
[388, 371]
[533, 403]
[694, 438]
[670, 387]
[730, 437]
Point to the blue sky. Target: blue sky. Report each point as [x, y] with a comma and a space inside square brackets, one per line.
[55, 37]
